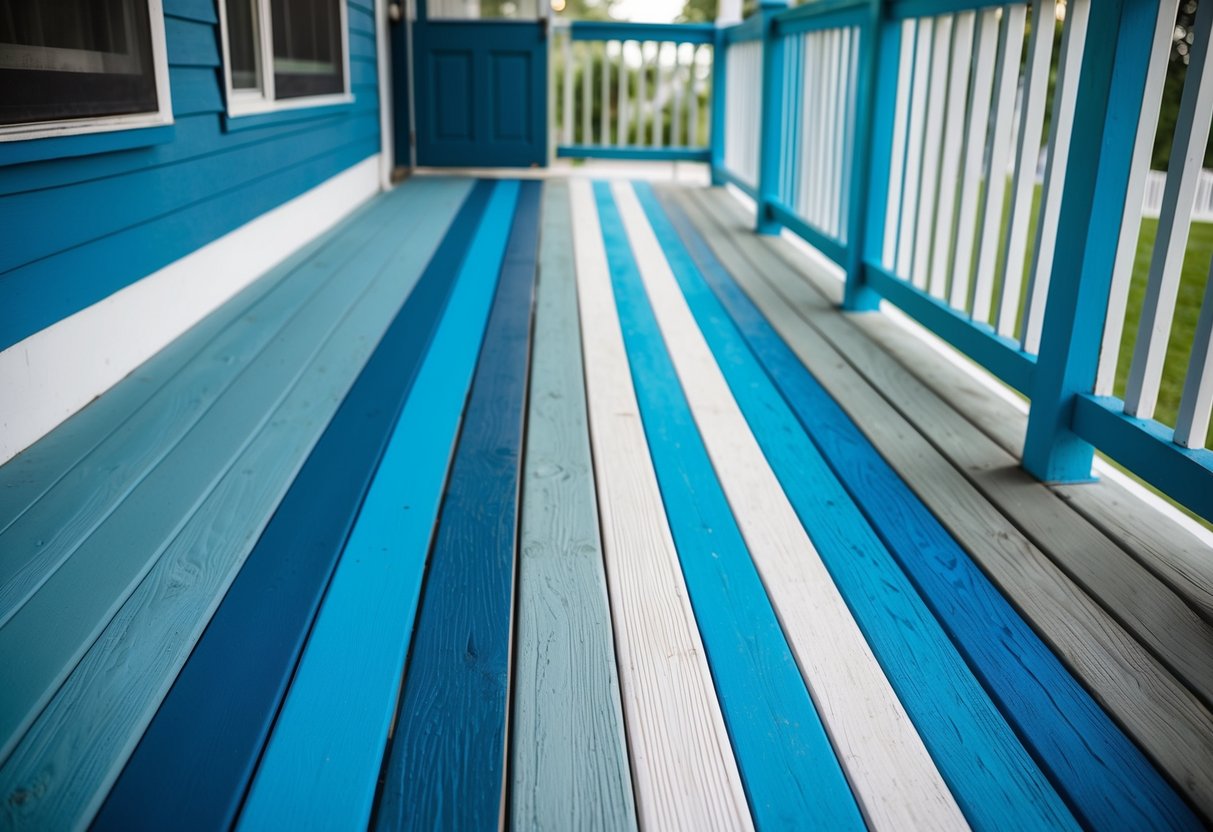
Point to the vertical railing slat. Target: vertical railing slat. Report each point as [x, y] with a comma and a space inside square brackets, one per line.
[950, 153]
[587, 72]
[905, 69]
[622, 137]
[1006, 74]
[1166, 266]
[985, 51]
[928, 182]
[924, 37]
[676, 118]
[1192, 422]
[1073, 41]
[566, 90]
[1031, 123]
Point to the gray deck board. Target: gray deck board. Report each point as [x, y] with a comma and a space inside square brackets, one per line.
[895, 411]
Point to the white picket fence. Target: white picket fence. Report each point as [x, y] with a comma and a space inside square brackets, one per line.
[1156, 183]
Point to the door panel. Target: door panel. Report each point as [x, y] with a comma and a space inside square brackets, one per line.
[481, 93]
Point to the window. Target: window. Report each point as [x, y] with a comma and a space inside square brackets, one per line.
[81, 66]
[306, 44]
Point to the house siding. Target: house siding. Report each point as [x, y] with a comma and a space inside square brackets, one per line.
[77, 229]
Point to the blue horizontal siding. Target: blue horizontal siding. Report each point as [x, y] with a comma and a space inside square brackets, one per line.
[80, 228]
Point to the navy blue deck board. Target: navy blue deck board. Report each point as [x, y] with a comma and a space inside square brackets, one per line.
[994, 780]
[193, 766]
[1103, 776]
[453, 707]
[792, 778]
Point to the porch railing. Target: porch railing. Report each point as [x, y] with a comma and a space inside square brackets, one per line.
[633, 91]
[902, 137]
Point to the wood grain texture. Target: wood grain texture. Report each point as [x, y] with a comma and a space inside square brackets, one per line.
[1104, 776]
[896, 782]
[568, 759]
[193, 764]
[455, 699]
[792, 776]
[1170, 724]
[54, 628]
[58, 774]
[320, 772]
[683, 769]
[1183, 562]
[50, 530]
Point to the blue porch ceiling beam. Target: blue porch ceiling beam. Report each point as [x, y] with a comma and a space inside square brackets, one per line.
[1110, 92]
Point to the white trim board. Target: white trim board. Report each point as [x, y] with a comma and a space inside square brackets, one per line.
[53, 373]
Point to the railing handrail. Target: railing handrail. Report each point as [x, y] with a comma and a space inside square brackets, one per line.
[599, 30]
[1044, 331]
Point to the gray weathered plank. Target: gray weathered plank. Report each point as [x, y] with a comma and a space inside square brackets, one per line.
[1165, 718]
[58, 774]
[569, 752]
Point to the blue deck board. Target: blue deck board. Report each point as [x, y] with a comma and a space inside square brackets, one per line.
[995, 781]
[453, 707]
[792, 778]
[1104, 777]
[324, 755]
[193, 765]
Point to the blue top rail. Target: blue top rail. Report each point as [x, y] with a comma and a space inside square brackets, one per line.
[599, 30]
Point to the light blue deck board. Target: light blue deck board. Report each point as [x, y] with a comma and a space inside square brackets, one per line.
[792, 777]
[58, 774]
[52, 630]
[1104, 777]
[50, 530]
[569, 761]
[323, 759]
[994, 779]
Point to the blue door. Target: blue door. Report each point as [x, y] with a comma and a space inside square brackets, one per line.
[481, 89]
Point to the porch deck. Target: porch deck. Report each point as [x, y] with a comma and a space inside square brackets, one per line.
[577, 505]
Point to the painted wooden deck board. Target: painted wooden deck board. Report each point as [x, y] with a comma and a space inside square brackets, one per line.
[792, 777]
[568, 758]
[86, 494]
[75, 748]
[896, 781]
[193, 765]
[1105, 777]
[455, 699]
[76, 603]
[319, 772]
[1161, 715]
[683, 768]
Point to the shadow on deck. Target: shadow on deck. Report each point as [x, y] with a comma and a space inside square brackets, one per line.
[651, 532]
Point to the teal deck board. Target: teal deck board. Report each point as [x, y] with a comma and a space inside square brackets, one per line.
[793, 779]
[455, 699]
[49, 531]
[324, 756]
[1105, 778]
[192, 766]
[995, 780]
[72, 607]
[28, 476]
[568, 757]
[59, 772]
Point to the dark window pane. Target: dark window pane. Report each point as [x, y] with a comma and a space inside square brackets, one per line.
[74, 58]
[307, 48]
[242, 40]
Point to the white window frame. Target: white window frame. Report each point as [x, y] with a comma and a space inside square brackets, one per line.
[163, 115]
[255, 101]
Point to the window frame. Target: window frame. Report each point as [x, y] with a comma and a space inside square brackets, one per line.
[245, 102]
[160, 117]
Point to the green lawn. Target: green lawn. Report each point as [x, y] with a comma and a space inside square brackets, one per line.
[1187, 306]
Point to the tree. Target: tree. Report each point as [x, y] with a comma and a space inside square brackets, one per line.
[584, 9]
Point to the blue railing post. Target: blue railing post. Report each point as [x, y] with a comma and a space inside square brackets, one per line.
[719, 74]
[770, 137]
[875, 100]
[1110, 92]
